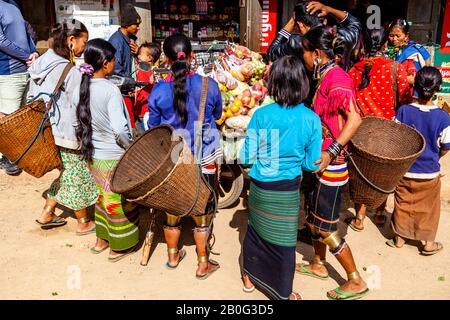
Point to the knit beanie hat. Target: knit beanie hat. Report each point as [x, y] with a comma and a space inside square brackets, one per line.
[130, 16]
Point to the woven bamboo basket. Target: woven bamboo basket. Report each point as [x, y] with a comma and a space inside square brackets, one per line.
[158, 171]
[17, 132]
[383, 151]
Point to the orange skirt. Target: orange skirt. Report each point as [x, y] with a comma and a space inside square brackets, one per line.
[417, 209]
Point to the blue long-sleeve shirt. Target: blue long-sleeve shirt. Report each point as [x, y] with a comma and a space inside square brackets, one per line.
[162, 111]
[281, 142]
[123, 54]
[16, 45]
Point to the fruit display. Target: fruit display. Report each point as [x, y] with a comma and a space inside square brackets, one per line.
[240, 74]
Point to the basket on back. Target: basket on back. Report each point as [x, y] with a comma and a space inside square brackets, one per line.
[17, 132]
[382, 151]
[158, 171]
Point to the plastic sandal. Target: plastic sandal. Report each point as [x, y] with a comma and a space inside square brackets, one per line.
[307, 272]
[430, 253]
[347, 296]
[95, 251]
[56, 222]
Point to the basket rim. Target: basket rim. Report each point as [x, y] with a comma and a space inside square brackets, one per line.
[378, 156]
[113, 187]
[10, 117]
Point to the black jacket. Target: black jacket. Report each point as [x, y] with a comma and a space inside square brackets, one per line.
[291, 44]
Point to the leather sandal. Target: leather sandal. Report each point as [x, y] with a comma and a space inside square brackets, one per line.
[353, 226]
[182, 254]
[214, 267]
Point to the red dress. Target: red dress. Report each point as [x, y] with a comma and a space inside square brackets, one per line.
[378, 97]
[141, 105]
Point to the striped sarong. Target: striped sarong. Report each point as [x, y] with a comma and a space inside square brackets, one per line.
[116, 220]
[274, 215]
[271, 238]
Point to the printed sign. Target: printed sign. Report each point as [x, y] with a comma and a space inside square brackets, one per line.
[268, 23]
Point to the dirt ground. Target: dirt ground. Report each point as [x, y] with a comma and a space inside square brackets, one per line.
[56, 264]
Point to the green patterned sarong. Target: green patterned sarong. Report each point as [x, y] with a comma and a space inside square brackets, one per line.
[75, 187]
[116, 219]
[274, 215]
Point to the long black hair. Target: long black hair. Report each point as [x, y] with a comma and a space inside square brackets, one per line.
[178, 49]
[303, 16]
[97, 52]
[428, 80]
[373, 42]
[61, 31]
[288, 81]
[330, 42]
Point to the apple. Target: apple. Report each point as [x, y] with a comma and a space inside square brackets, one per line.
[246, 100]
[258, 95]
[265, 90]
[247, 93]
[257, 87]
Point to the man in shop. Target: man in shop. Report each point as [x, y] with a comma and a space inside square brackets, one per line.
[124, 40]
[17, 52]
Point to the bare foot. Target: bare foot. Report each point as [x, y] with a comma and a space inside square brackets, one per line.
[317, 269]
[175, 258]
[46, 216]
[352, 287]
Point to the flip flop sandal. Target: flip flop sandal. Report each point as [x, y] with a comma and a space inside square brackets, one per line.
[297, 296]
[56, 222]
[214, 267]
[182, 253]
[347, 296]
[118, 258]
[248, 290]
[353, 226]
[307, 272]
[430, 253]
[95, 251]
[392, 243]
[92, 230]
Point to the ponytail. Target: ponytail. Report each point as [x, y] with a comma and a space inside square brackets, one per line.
[97, 52]
[373, 41]
[180, 70]
[84, 128]
[178, 48]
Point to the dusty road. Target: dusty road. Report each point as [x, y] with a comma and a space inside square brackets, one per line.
[56, 264]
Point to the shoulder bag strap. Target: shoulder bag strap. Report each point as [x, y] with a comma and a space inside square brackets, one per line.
[201, 118]
[61, 80]
[394, 84]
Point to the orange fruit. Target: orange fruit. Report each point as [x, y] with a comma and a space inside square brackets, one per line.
[235, 109]
[238, 103]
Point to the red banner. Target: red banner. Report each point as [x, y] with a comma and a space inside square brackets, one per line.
[445, 38]
[269, 23]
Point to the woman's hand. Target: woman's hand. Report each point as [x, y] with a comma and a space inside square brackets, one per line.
[315, 6]
[324, 162]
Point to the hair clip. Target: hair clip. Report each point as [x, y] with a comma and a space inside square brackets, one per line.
[87, 69]
[181, 54]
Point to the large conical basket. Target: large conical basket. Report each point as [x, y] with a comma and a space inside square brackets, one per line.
[158, 171]
[26, 137]
[382, 151]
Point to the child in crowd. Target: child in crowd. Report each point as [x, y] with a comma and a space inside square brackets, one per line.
[149, 53]
[417, 197]
[104, 130]
[282, 139]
